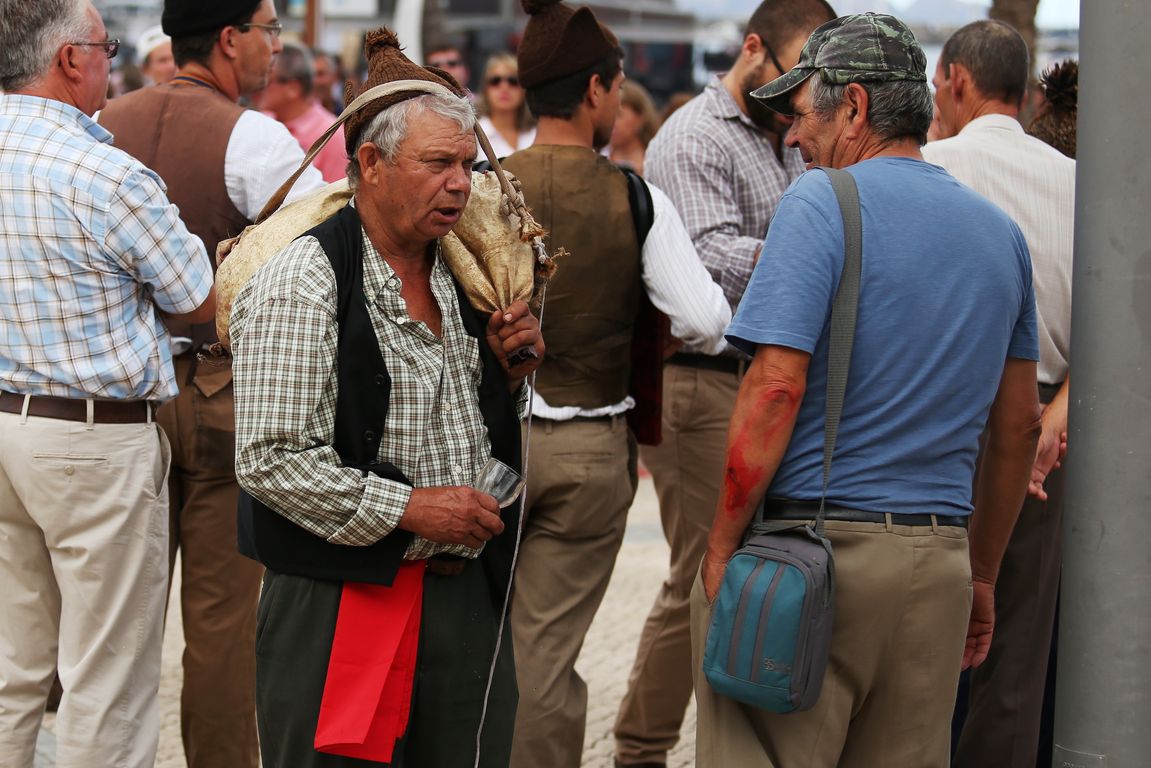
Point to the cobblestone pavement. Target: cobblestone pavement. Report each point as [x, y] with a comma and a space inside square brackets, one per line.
[605, 662]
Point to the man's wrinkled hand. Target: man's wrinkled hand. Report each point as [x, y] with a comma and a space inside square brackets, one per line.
[711, 572]
[982, 623]
[1049, 455]
[452, 515]
[512, 330]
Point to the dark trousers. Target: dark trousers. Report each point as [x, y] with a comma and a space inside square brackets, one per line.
[296, 623]
[1005, 699]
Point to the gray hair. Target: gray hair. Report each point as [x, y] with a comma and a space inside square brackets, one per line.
[295, 64]
[32, 33]
[388, 129]
[896, 110]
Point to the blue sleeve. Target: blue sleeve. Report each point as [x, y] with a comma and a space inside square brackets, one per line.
[788, 300]
[1025, 336]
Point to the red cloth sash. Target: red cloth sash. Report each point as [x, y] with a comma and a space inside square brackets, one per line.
[372, 669]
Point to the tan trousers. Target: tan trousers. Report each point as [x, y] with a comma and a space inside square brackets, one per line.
[903, 600]
[83, 542]
[219, 587]
[687, 467]
[581, 482]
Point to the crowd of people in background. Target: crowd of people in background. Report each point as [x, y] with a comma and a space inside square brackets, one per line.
[120, 439]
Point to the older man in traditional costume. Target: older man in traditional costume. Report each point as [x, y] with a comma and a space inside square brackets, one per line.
[369, 395]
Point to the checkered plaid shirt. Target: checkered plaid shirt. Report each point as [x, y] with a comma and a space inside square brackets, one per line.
[284, 336]
[723, 175]
[90, 248]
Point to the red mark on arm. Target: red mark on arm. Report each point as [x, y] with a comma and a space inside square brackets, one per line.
[754, 451]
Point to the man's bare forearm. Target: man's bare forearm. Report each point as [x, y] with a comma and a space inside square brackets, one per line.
[761, 427]
[1006, 468]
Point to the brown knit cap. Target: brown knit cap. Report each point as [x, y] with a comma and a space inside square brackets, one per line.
[559, 41]
[386, 64]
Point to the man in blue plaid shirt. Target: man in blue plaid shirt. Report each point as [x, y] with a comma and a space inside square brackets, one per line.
[91, 255]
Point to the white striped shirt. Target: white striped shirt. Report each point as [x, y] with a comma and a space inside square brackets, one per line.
[1035, 184]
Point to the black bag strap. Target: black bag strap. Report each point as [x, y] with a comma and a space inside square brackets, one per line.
[843, 315]
[642, 206]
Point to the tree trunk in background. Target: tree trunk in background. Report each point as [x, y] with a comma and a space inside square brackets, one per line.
[1021, 15]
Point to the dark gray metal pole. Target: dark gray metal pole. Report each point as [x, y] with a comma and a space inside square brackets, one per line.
[1103, 707]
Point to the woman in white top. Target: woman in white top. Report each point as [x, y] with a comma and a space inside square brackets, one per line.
[502, 107]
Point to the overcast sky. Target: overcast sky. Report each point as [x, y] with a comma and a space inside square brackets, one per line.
[1053, 14]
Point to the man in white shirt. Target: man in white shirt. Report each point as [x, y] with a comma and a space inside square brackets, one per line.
[581, 479]
[220, 163]
[980, 83]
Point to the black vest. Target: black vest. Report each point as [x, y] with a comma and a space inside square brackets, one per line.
[361, 409]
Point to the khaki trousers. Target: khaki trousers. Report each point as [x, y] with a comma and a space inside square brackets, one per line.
[687, 467]
[581, 482]
[83, 541]
[219, 587]
[903, 601]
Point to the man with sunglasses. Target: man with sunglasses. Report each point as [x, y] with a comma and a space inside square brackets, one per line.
[722, 161]
[221, 164]
[448, 57]
[93, 257]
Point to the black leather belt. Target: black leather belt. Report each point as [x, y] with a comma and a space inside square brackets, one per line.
[605, 419]
[787, 509]
[444, 564]
[719, 363]
[68, 409]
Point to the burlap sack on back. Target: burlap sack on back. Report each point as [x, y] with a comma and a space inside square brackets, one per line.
[240, 257]
[489, 250]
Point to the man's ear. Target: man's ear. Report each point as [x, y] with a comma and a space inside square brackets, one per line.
[229, 42]
[856, 102]
[368, 157]
[959, 79]
[595, 90]
[752, 46]
[69, 68]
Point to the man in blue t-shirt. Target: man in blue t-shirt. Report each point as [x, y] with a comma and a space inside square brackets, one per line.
[945, 343]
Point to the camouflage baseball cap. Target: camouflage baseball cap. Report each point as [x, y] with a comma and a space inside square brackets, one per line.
[866, 47]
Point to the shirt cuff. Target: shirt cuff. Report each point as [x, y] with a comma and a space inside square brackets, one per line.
[381, 508]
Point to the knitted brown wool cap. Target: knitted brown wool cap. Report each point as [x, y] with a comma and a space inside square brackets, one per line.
[559, 41]
[386, 64]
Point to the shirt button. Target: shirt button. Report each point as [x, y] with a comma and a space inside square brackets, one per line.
[447, 406]
[392, 284]
[457, 470]
[69, 470]
[369, 436]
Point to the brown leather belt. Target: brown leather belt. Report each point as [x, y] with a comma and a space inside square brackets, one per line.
[68, 409]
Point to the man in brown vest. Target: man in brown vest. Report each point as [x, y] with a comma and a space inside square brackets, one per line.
[581, 480]
[220, 163]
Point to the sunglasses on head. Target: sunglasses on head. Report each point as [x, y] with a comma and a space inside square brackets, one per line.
[511, 80]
